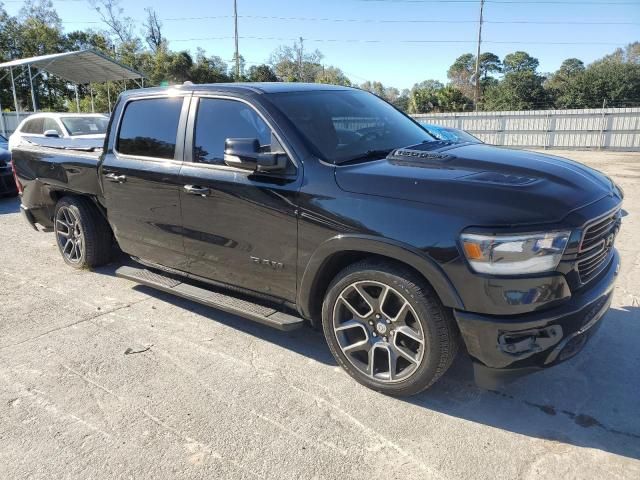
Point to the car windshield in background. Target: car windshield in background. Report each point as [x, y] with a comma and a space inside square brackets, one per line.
[85, 125]
[348, 125]
[451, 134]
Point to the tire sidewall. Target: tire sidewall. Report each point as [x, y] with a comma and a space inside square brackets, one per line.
[426, 371]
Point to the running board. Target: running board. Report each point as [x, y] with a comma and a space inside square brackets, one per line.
[252, 311]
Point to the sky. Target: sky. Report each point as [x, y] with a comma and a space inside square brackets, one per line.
[397, 42]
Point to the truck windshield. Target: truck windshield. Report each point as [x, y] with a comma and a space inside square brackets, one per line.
[85, 125]
[347, 125]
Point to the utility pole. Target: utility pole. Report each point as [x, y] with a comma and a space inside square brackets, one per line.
[477, 89]
[300, 61]
[235, 19]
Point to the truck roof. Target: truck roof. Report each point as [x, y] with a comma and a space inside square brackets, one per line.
[255, 88]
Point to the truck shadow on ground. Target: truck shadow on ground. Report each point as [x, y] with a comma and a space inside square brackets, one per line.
[9, 205]
[590, 401]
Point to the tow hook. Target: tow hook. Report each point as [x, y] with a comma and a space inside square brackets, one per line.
[527, 342]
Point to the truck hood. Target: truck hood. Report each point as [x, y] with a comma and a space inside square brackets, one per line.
[496, 186]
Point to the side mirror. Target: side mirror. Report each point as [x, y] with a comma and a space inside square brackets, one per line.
[245, 153]
[51, 134]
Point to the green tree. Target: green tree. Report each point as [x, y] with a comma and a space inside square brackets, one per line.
[262, 73]
[519, 62]
[605, 82]
[423, 97]
[518, 90]
[628, 54]
[377, 88]
[489, 63]
[562, 84]
[293, 64]
[450, 99]
[402, 101]
[461, 73]
[332, 76]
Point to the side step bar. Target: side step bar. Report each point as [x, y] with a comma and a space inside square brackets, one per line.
[258, 313]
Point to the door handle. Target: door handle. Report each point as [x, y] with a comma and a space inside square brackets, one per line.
[112, 177]
[195, 190]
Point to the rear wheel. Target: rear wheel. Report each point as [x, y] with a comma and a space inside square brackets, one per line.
[387, 328]
[82, 234]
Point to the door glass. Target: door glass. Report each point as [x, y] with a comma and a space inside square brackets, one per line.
[34, 126]
[149, 127]
[218, 120]
[51, 124]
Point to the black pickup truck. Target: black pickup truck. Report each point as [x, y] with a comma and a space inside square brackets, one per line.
[288, 203]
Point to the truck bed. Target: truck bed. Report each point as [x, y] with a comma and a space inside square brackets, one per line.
[45, 165]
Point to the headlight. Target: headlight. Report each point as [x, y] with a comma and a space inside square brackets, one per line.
[514, 254]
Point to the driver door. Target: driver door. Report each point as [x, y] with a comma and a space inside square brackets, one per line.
[239, 227]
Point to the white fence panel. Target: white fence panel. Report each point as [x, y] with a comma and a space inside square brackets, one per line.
[608, 128]
[9, 121]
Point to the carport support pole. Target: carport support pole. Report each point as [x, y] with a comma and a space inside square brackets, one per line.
[33, 95]
[2, 125]
[93, 108]
[109, 97]
[13, 87]
[77, 100]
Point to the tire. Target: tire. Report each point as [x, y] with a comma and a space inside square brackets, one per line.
[82, 234]
[374, 334]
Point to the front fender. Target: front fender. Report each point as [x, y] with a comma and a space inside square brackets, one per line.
[406, 254]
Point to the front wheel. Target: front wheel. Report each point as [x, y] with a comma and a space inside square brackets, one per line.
[387, 328]
[82, 234]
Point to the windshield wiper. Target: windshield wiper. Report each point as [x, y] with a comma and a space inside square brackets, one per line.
[368, 155]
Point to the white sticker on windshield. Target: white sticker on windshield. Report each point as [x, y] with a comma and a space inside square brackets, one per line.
[93, 127]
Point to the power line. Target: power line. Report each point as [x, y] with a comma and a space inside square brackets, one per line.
[519, 2]
[366, 20]
[406, 41]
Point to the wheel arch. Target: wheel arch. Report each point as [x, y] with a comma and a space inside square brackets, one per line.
[56, 193]
[338, 252]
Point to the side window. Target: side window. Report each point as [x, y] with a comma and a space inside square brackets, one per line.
[51, 124]
[34, 126]
[219, 119]
[149, 127]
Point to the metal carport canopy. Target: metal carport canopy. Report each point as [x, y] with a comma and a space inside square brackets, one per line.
[81, 67]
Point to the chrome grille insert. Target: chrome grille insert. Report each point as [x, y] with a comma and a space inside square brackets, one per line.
[597, 243]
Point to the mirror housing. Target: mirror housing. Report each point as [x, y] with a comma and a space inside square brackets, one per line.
[245, 153]
[51, 134]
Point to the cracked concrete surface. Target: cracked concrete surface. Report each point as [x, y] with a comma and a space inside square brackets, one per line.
[216, 396]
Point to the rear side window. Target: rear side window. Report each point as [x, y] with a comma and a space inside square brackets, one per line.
[34, 126]
[149, 127]
[219, 119]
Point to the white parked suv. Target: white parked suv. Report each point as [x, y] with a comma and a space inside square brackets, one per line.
[60, 125]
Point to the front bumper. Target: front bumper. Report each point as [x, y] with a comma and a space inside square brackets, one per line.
[507, 346]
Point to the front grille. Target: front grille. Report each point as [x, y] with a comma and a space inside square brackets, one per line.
[597, 243]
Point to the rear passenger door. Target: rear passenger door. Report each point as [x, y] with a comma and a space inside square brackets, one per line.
[240, 227]
[140, 177]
